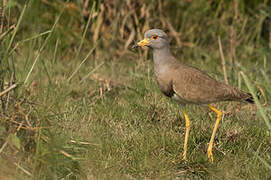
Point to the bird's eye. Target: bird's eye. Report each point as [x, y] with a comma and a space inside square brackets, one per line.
[154, 37]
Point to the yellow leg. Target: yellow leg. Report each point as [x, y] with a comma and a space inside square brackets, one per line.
[210, 147]
[187, 129]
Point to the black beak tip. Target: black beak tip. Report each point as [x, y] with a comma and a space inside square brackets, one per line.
[135, 46]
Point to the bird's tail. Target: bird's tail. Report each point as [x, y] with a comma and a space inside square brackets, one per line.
[250, 98]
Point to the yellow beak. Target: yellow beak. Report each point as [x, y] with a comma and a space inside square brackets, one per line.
[142, 43]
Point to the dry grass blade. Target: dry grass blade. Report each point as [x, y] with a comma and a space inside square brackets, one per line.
[124, 22]
[98, 24]
[173, 32]
[7, 32]
[11, 82]
[85, 12]
[23, 169]
[66, 154]
[223, 61]
[3, 146]
[8, 89]
[130, 39]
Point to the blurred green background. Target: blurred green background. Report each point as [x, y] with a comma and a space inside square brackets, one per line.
[78, 103]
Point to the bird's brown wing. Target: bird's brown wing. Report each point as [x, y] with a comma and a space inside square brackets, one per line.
[193, 86]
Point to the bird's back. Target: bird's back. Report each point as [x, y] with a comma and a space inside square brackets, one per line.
[190, 85]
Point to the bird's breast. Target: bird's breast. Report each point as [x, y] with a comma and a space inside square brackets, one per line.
[164, 81]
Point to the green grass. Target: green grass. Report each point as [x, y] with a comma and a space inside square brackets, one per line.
[83, 111]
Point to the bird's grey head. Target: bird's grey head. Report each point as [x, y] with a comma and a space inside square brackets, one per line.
[154, 38]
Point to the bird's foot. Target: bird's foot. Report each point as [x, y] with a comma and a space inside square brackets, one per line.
[210, 155]
[184, 156]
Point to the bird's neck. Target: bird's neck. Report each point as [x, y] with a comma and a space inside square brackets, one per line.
[162, 57]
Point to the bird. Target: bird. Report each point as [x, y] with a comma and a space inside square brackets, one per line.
[187, 84]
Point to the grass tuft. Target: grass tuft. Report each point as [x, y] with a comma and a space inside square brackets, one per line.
[78, 103]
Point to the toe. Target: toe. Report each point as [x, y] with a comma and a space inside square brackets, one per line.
[184, 157]
[210, 156]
